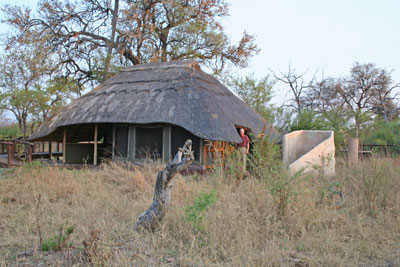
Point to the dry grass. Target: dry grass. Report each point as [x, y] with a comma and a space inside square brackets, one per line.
[242, 228]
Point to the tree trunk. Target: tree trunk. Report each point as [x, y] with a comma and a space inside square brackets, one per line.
[357, 128]
[24, 128]
[20, 125]
[114, 26]
[385, 116]
[164, 53]
[152, 217]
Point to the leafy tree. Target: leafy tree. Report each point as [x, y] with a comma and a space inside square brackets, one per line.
[10, 130]
[337, 120]
[308, 120]
[256, 93]
[52, 96]
[385, 133]
[19, 74]
[28, 88]
[137, 31]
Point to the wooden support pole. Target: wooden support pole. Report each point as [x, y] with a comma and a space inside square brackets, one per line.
[10, 155]
[58, 150]
[95, 146]
[30, 148]
[50, 148]
[65, 146]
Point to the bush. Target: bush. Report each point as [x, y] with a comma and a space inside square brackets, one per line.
[385, 134]
[195, 213]
[58, 242]
[267, 166]
[9, 131]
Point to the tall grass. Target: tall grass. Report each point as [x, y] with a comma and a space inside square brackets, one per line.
[244, 227]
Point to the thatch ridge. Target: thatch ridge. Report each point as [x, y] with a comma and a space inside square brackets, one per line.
[177, 93]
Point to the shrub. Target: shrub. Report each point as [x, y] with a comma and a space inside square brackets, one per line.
[267, 166]
[195, 213]
[385, 134]
[58, 242]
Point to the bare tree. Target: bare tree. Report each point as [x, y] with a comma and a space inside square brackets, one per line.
[384, 101]
[322, 95]
[358, 90]
[297, 86]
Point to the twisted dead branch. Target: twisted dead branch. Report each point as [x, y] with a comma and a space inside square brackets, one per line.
[152, 217]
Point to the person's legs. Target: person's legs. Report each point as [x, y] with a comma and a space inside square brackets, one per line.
[243, 163]
[244, 158]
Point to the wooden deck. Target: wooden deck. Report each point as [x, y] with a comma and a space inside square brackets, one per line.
[4, 161]
[46, 162]
[37, 155]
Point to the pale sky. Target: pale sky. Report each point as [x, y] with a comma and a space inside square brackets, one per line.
[328, 35]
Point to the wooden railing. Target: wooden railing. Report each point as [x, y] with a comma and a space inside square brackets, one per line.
[383, 150]
[11, 147]
[14, 151]
[214, 150]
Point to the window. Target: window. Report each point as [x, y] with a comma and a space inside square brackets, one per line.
[121, 141]
[149, 142]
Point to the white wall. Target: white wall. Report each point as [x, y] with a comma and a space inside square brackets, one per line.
[312, 151]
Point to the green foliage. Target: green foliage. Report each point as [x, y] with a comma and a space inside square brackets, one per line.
[34, 165]
[266, 165]
[265, 158]
[195, 213]
[233, 167]
[9, 131]
[53, 95]
[58, 242]
[31, 86]
[308, 120]
[385, 134]
[337, 120]
[329, 188]
[256, 93]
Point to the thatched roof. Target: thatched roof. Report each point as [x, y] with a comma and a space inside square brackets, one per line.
[177, 93]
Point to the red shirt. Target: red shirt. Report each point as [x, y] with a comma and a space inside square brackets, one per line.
[245, 141]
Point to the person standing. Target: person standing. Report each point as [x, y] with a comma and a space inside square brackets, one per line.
[244, 147]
